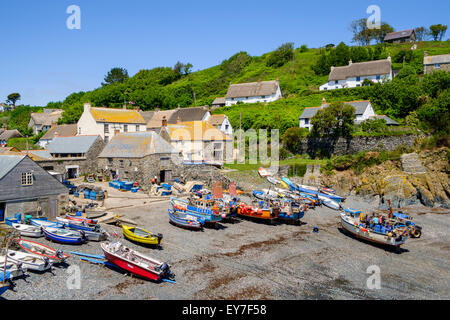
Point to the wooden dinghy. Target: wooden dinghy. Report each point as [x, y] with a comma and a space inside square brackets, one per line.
[185, 220]
[45, 223]
[141, 235]
[64, 236]
[42, 250]
[351, 223]
[28, 231]
[30, 261]
[136, 262]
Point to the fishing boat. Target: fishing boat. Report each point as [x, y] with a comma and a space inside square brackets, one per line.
[28, 231]
[141, 235]
[290, 211]
[136, 262]
[330, 203]
[210, 216]
[81, 219]
[42, 250]
[75, 225]
[350, 222]
[265, 213]
[64, 236]
[45, 223]
[30, 261]
[185, 220]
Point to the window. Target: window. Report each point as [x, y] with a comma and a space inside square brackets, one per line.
[79, 130]
[336, 81]
[306, 121]
[110, 160]
[358, 78]
[378, 77]
[27, 178]
[358, 85]
[226, 127]
[263, 97]
[106, 128]
[137, 128]
[164, 161]
[437, 66]
[106, 139]
[121, 163]
[125, 128]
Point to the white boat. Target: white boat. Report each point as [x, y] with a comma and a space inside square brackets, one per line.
[30, 261]
[27, 230]
[46, 223]
[330, 203]
[351, 223]
[15, 270]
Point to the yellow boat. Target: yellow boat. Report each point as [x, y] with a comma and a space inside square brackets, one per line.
[141, 235]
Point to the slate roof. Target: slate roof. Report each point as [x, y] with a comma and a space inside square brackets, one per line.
[360, 69]
[156, 120]
[136, 145]
[8, 134]
[8, 162]
[40, 155]
[389, 121]
[76, 144]
[252, 89]
[360, 108]
[442, 58]
[64, 130]
[112, 115]
[398, 34]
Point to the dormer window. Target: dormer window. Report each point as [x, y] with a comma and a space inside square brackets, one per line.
[27, 178]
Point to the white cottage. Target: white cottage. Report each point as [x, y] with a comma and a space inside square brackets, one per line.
[106, 122]
[363, 111]
[354, 74]
[252, 92]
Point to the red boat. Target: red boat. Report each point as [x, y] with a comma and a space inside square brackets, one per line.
[135, 262]
[81, 220]
[42, 250]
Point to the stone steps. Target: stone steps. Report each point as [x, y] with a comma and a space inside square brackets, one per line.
[412, 164]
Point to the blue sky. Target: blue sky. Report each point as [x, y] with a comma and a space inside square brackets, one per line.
[44, 61]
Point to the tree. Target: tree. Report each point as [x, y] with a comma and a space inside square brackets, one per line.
[13, 98]
[178, 68]
[438, 31]
[283, 54]
[187, 68]
[374, 125]
[292, 136]
[359, 27]
[115, 75]
[421, 33]
[379, 34]
[336, 120]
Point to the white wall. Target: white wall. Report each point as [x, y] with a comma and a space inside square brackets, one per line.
[353, 82]
[255, 99]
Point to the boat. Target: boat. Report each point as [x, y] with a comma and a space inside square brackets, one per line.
[136, 263]
[290, 211]
[81, 219]
[99, 235]
[45, 223]
[380, 235]
[330, 203]
[3, 287]
[30, 261]
[64, 235]
[42, 250]
[13, 269]
[28, 231]
[185, 220]
[75, 225]
[310, 190]
[264, 213]
[141, 235]
[210, 215]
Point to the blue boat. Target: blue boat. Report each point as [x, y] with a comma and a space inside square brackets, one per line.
[38, 222]
[185, 220]
[295, 187]
[183, 206]
[64, 236]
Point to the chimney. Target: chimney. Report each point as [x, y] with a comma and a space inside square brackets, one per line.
[56, 134]
[425, 53]
[87, 107]
[350, 62]
[164, 122]
[324, 101]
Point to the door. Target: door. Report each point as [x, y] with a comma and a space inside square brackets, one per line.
[2, 211]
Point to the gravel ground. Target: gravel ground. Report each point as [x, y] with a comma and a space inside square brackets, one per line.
[253, 260]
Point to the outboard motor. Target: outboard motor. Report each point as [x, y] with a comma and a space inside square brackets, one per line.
[47, 261]
[83, 235]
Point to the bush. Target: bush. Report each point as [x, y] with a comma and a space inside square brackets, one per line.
[292, 136]
[374, 125]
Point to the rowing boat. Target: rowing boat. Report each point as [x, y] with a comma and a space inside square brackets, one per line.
[42, 250]
[30, 261]
[45, 223]
[64, 235]
[13, 269]
[184, 220]
[81, 219]
[141, 235]
[135, 262]
[28, 231]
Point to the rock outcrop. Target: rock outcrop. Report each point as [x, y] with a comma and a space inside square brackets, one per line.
[416, 178]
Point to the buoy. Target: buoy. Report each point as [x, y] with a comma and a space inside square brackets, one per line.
[316, 229]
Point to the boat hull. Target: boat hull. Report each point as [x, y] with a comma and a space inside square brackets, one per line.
[42, 250]
[39, 263]
[130, 235]
[28, 231]
[63, 239]
[369, 235]
[178, 220]
[209, 216]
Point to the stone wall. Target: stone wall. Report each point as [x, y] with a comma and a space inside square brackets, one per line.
[342, 146]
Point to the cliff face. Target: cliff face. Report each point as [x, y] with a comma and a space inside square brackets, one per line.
[417, 178]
